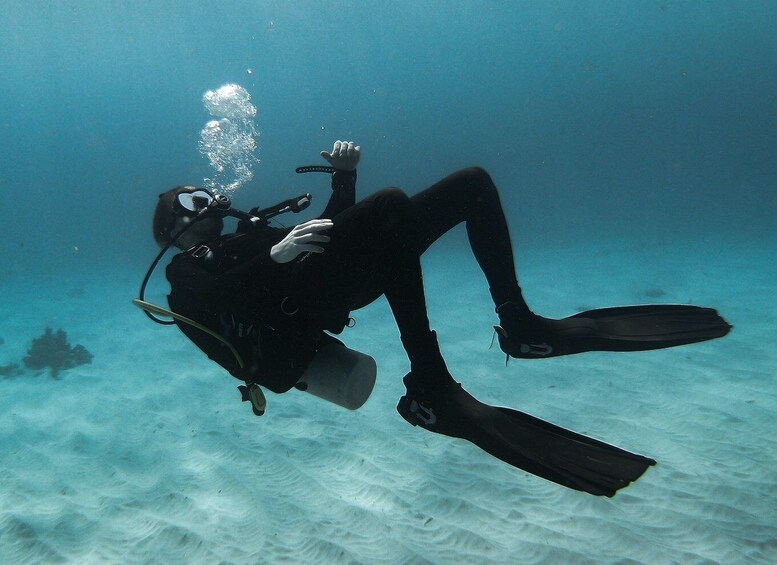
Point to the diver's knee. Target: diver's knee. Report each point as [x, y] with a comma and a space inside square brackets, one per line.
[392, 207]
[477, 176]
[392, 202]
[393, 196]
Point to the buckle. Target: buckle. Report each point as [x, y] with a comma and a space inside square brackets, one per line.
[200, 252]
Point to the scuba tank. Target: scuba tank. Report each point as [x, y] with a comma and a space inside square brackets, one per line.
[340, 375]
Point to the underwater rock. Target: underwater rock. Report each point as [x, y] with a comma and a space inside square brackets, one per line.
[52, 350]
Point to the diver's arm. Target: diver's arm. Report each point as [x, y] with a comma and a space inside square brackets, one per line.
[344, 158]
[343, 193]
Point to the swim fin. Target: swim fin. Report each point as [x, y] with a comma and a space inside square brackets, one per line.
[523, 441]
[525, 335]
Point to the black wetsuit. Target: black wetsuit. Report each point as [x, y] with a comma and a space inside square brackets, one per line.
[274, 314]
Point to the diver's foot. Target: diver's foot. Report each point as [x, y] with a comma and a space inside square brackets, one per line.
[418, 409]
[523, 334]
[448, 410]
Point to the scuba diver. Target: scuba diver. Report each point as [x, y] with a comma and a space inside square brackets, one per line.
[263, 301]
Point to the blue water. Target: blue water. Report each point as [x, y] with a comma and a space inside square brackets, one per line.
[594, 118]
[612, 129]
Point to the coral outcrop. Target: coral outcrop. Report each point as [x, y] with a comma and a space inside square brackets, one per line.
[53, 351]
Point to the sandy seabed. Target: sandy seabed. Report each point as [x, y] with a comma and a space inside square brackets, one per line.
[147, 454]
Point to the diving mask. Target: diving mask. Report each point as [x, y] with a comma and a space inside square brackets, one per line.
[191, 202]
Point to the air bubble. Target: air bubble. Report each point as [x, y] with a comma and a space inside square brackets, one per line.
[229, 142]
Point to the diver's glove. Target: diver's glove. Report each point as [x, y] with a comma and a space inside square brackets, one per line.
[344, 156]
[303, 238]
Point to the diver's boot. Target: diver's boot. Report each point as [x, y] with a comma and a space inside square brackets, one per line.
[429, 384]
[435, 401]
[523, 333]
[434, 409]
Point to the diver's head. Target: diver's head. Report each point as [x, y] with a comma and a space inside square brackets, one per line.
[179, 207]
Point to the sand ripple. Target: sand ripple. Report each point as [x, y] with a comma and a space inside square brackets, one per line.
[130, 460]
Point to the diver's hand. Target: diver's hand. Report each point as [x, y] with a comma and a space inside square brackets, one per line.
[344, 156]
[301, 239]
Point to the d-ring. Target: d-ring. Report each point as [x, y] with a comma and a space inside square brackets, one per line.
[283, 309]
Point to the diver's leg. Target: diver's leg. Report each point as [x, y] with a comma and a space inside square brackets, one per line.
[374, 251]
[470, 196]
[402, 284]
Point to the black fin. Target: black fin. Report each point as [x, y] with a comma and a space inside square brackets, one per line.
[523, 441]
[622, 328]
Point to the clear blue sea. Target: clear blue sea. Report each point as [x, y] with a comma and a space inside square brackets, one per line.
[633, 144]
